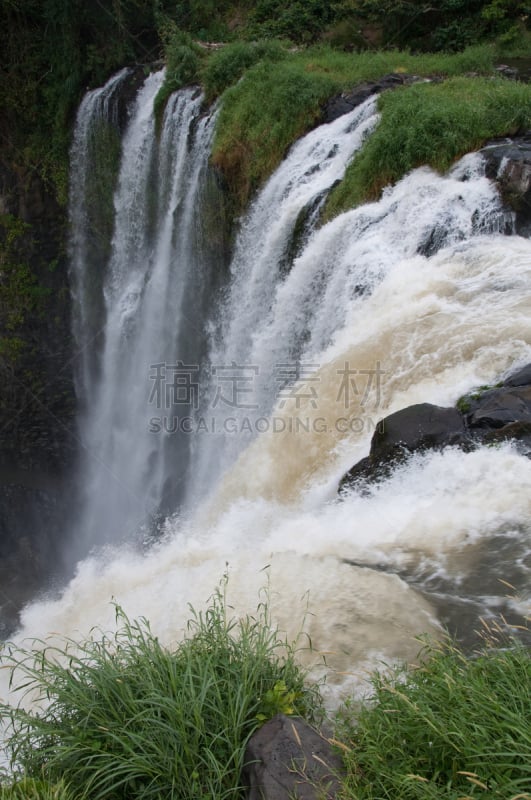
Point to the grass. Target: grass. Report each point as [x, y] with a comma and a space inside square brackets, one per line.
[290, 95]
[127, 718]
[431, 124]
[454, 727]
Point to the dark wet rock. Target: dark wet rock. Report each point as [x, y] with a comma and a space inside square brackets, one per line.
[31, 520]
[514, 431]
[489, 415]
[419, 427]
[345, 102]
[287, 758]
[508, 162]
[520, 378]
[413, 429]
[516, 69]
[496, 408]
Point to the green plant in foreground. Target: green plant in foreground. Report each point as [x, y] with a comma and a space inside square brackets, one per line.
[453, 727]
[126, 718]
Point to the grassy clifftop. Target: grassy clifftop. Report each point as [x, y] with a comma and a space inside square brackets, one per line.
[277, 100]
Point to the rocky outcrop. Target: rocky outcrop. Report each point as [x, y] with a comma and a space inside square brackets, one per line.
[286, 758]
[508, 162]
[485, 416]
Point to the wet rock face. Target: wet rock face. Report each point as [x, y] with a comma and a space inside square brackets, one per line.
[487, 415]
[31, 519]
[508, 162]
[37, 400]
[413, 429]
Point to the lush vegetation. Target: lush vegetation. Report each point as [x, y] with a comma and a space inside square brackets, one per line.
[125, 718]
[28, 789]
[290, 94]
[431, 124]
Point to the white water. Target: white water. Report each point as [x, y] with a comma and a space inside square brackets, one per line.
[97, 108]
[360, 295]
[258, 266]
[151, 264]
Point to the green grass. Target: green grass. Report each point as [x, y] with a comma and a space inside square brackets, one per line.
[129, 719]
[277, 102]
[454, 727]
[431, 124]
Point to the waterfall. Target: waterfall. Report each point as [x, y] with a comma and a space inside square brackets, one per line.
[129, 474]
[320, 331]
[277, 226]
[91, 217]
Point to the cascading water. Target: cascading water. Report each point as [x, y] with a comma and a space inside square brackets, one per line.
[416, 298]
[150, 295]
[277, 225]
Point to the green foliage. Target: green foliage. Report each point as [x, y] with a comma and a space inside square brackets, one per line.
[448, 25]
[126, 718]
[226, 66]
[431, 124]
[249, 145]
[278, 700]
[464, 404]
[51, 50]
[202, 18]
[453, 727]
[298, 20]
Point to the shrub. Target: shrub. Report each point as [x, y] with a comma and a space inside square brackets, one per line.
[126, 718]
[298, 20]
